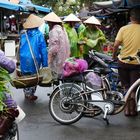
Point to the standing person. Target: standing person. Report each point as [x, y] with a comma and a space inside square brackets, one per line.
[81, 26]
[33, 38]
[91, 36]
[59, 49]
[44, 28]
[128, 37]
[69, 25]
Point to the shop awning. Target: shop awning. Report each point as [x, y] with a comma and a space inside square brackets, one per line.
[42, 9]
[8, 5]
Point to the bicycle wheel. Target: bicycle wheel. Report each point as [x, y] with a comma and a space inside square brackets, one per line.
[13, 133]
[65, 103]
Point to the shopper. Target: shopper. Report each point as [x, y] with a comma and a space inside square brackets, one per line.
[128, 38]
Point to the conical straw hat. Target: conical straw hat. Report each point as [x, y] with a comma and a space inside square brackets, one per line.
[71, 17]
[33, 21]
[92, 20]
[52, 17]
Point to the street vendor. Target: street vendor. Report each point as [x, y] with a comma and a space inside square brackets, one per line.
[58, 47]
[91, 37]
[33, 51]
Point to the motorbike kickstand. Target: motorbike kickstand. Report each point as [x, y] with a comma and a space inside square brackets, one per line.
[105, 115]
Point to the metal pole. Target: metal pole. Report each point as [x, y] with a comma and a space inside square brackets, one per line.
[1, 27]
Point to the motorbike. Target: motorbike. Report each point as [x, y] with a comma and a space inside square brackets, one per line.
[102, 62]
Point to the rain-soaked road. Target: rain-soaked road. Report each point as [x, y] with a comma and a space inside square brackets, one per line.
[38, 124]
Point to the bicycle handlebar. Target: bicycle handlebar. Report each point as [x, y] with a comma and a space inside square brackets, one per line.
[130, 58]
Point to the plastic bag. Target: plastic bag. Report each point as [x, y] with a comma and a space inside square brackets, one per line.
[74, 66]
[93, 80]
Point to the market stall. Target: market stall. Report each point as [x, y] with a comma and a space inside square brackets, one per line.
[113, 14]
[8, 22]
[12, 14]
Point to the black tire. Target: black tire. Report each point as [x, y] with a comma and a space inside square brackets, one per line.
[137, 97]
[13, 133]
[64, 111]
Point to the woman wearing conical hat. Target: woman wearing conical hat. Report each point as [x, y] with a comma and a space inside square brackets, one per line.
[92, 37]
[69, 25]
[59, 49]
[33, 38]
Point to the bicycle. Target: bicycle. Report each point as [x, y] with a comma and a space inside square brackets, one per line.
[69, 101]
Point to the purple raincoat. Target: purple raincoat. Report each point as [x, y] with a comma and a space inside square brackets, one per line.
[7, 63]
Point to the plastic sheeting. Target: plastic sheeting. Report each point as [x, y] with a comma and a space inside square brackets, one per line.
[107, 4]
[117, 4]
[28, 3]
[130, 3]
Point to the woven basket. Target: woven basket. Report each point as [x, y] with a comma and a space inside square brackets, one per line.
[47, 75]
[26, 81]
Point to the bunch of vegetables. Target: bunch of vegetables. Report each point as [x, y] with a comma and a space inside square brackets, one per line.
[7, 104]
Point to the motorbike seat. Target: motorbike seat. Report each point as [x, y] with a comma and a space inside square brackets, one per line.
[103, 71]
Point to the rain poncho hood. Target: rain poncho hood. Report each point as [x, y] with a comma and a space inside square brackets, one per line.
[39, 48]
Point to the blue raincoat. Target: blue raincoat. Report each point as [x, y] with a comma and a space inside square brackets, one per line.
[39, 48]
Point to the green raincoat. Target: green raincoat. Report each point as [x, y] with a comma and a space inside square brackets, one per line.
[73, 39]
[93, 39]
[81, 27]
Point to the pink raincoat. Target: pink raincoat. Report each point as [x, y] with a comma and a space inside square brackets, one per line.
[59, 48]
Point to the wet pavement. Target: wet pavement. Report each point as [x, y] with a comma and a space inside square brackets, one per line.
[39, 125]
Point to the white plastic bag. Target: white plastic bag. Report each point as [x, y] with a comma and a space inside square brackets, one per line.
[21, 115]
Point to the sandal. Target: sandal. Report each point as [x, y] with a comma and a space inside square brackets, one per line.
[127, 109]
[31, 97]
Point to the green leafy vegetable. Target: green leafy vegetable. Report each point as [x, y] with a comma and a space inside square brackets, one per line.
[4, 79]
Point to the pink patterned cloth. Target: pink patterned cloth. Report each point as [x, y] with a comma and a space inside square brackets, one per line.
[73, 66]
[59, 48]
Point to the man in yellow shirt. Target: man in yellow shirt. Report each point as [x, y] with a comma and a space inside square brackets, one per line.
[128, 38]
